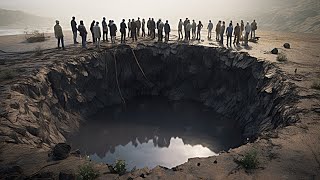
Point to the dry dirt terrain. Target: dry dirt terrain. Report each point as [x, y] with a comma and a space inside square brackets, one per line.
[288, 152]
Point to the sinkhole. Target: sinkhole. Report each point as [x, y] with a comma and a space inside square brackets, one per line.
[156, 104]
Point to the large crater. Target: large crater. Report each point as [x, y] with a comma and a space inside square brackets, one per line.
[52, 102]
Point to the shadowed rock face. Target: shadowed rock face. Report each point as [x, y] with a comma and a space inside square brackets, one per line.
[52, 103]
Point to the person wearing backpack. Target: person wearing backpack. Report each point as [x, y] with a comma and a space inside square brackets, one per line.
[83, 33]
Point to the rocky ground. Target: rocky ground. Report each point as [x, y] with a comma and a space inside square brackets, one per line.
[291, 152]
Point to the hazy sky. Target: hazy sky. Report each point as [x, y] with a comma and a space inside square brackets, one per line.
[118, 9]
[97, 8]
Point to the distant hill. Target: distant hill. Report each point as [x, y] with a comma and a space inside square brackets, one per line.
[19, 19]
[293, 16]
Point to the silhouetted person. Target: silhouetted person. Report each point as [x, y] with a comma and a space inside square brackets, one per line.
[105, 30]
[241, 30]
[158, 24]
[138, 23]
[229, 32]
[91, 30]
[97, 34]
[134, 30]
[180, 29]
[83, 33]
[129, 28]
[222, 29]
[188, 30]
[74, 30]
[199, 27]
[210, 27]
[237, 31]
[218, 31]
[185, 24]
[153, 29]
[113, 31]
[143, 28]
[247, 32]
[59, 34]
[123, 28]
[160, 30]
[254, 27]
[109, 26]
[194, 27]
[167, 30]
[148, 26]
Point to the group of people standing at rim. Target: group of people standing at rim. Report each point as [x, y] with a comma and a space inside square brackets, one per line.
[239, 31]
[136, 26]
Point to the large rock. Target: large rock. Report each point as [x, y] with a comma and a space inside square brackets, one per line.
[61, 151]
[286, 45]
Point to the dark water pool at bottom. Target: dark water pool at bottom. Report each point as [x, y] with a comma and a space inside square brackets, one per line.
[153, 131]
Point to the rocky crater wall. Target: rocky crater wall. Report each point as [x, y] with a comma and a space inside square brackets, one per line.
[44, 107]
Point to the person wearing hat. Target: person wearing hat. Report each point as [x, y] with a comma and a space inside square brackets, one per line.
[59, 34]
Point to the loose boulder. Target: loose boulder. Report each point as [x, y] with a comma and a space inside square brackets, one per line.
[275, 51]
[61, 151]
[286, 45]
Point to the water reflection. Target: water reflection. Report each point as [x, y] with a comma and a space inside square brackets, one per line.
[148, 155]
[154, 131]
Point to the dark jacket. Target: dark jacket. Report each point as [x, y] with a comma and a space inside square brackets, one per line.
[74, 26]
[133, 26]
[123, 27]
[113, 29]
[229, 31]
[91, 26]
[152, 25]
[237, 30]
[167, 28]
[82, 30]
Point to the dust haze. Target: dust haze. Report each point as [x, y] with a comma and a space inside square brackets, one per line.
[284, 15]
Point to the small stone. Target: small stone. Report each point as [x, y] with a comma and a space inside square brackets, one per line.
[286, 45]
[215, 161]
[198, 164]
[275, 51]
[142, 175]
